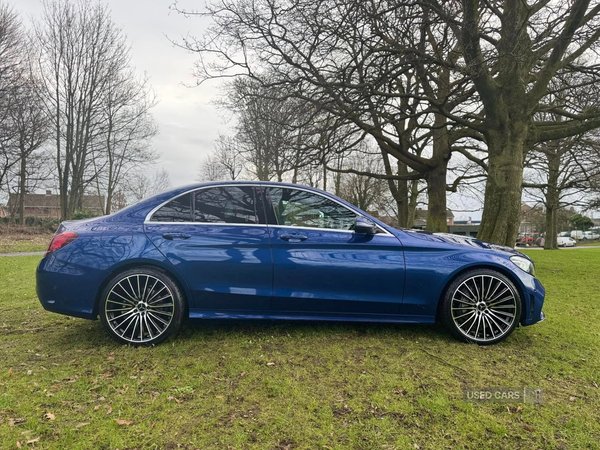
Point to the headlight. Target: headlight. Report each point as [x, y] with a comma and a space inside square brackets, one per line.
[523, 264]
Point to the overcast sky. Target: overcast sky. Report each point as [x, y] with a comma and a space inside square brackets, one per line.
[187, 120]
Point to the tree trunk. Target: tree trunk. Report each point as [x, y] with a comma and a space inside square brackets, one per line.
[502, 207]
[402, 196]
[437, 213]
[552, 202]
[22, 181]
[412, 204]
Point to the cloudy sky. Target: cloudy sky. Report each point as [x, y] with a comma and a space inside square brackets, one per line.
[187, 120]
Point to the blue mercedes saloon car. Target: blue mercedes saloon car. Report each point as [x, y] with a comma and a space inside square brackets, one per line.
[261, 250]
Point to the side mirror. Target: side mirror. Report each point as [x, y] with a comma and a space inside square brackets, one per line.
[364, 226]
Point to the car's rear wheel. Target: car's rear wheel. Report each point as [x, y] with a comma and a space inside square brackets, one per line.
[142, 306]
[481, 306]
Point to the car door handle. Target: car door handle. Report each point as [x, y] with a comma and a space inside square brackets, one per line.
[293, 237]
[173, 236]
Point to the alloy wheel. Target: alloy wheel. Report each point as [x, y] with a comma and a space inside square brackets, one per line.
[139, 308]
[484, 308]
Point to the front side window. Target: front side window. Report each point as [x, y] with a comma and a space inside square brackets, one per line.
[177, 210]
[230, 204]
[294, 207]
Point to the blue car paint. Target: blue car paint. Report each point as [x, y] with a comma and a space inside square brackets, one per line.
[396, 277]
[336, 271]
[226, 267]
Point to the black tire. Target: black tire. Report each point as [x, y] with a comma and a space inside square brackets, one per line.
[142, 297]
[489, 308]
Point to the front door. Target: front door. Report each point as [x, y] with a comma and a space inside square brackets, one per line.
[322, 266]
[218, 242]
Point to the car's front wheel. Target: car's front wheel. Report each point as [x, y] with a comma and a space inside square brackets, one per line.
[481, 306]
[142, 306]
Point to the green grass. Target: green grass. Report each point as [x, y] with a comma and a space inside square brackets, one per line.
[587, 243]
[342, 386]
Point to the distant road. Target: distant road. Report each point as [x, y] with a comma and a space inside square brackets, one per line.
[560, 248]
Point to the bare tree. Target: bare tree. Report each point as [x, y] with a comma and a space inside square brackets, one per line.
[79, 51]
[512, 50]
[140, 185]
[365, 192]
[270, 128]
[125, 131]
[344, 58]
[562, 173]
[31, 126]
[226, 162]
[11, 59]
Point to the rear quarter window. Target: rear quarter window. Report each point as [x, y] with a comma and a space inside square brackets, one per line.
[177, 210]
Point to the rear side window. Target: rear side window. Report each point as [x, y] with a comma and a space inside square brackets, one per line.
[231, 204]
[177, 210]
[294, 207]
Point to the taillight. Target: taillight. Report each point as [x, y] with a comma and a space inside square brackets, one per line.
[60, 240]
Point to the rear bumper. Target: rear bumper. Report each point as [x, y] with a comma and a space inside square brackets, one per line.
[64, 289]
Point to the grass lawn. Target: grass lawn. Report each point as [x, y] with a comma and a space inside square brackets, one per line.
[587, 243]
[17, 242]
[65, 384]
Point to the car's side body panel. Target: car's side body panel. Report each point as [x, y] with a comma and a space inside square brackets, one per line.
[226, 267]
[336, 271]
[433, 260]
[69, 280]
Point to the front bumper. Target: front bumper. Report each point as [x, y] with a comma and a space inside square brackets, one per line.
[533, 302]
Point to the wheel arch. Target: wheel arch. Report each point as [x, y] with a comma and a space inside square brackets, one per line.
[140, 264]
[498, 268]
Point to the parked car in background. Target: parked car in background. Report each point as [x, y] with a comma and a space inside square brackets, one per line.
[530, 240]
[260, 250]
[577, 234]
[591, 235]
[563, 241]
[564, 234]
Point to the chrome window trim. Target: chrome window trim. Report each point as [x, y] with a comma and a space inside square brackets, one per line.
[147, 220]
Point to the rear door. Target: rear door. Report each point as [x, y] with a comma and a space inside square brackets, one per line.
[322, 266]
[217, 239]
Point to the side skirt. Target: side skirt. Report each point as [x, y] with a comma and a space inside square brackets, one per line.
[266, 315]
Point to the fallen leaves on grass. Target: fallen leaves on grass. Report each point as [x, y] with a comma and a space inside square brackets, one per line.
[123, 422]
[528, 428]
[12, 421]
[33, 441]
[10, 372]
[82, 424]
[270, 364]
[49, 416]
